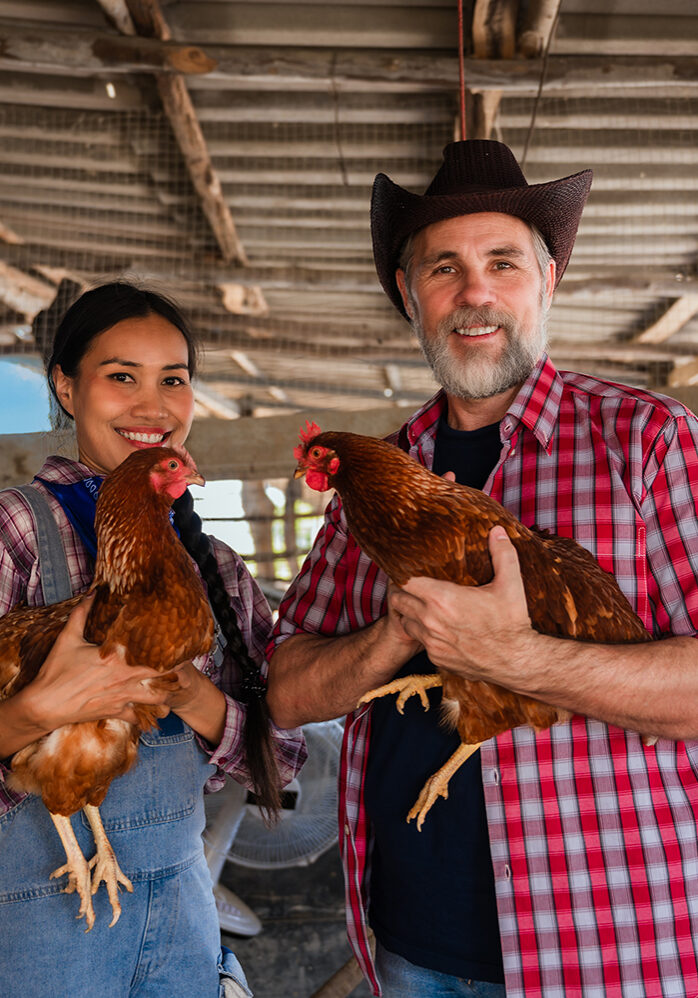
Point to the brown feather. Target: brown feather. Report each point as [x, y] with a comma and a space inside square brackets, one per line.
[149, 602]
[411, 522]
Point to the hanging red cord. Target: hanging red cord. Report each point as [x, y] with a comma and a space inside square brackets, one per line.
[461, 69]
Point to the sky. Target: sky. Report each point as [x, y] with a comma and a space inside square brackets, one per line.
[23, 398]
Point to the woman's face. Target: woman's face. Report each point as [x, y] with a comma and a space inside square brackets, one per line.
[132, 390]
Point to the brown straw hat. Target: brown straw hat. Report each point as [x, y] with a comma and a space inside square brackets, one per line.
[476, 175]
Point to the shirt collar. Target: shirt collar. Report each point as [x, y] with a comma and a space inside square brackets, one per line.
[64, 470]
[537, 406]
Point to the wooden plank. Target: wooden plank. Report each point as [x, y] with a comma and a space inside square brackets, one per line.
[675, 318]
[86, 54]
[180, 111]
[284, 67]
[22, 292]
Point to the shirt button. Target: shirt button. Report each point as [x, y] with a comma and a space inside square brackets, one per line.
[495, 777]
[512, 452]
[347, 830]
[507, 871]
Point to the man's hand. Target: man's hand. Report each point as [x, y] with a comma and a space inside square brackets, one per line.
[480, 632]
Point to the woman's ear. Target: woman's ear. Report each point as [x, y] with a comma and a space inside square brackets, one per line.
[64, 389]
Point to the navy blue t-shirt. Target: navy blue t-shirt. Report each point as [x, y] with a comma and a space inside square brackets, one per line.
[432, 892]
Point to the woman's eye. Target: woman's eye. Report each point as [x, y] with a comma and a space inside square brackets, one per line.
[174, 380]
[120, 376]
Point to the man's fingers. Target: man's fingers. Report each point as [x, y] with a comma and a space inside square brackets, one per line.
[505, 562]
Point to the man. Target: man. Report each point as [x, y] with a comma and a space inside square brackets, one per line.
[565, 862]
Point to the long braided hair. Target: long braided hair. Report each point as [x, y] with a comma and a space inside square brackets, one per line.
[257, 734]
[99, 309]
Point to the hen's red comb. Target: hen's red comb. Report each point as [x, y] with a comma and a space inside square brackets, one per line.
[309, 433]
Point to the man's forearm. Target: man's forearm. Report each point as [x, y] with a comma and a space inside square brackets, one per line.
[651, 688]
[315, 678]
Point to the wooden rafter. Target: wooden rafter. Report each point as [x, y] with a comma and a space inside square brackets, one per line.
[22, 292]
[675, 318]
[494, 37]
[147, 19]
[537, 27]
[86, 53]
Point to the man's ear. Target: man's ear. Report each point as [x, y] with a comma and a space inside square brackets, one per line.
[550, 287]
[64, 389]
[402, 288]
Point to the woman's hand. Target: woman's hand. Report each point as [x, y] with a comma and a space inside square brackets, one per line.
[198, 702]
[76, 683]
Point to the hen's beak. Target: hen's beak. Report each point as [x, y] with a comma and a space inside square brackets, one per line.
[299, 472]
[194, 478]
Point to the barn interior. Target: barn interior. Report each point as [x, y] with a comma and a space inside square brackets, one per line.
[224, 152]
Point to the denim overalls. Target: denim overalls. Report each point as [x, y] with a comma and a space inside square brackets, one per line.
[167, 942]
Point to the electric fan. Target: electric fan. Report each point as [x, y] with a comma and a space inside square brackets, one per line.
[308, 823]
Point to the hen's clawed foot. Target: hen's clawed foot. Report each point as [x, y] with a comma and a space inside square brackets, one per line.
[405, 687]
[104, 865]
[437, 785]
[77, 869]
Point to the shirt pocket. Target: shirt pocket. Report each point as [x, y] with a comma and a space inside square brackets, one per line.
[625, 557]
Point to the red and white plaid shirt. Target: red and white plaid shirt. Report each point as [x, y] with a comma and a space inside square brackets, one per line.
[20, 583]
[594, 837]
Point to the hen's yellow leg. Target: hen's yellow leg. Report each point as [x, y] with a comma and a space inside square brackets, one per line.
[437, 785]
[77, 869]
[105, 865]
[405, 687]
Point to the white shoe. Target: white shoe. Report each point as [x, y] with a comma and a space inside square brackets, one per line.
[234, 915]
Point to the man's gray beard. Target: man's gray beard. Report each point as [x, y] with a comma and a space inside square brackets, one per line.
[482, 378]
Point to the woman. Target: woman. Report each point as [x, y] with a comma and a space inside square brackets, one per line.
[121, 368]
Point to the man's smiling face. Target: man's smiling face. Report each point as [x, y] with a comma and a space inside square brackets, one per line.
[477, 301]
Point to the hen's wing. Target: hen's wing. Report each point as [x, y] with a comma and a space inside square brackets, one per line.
[27, 635]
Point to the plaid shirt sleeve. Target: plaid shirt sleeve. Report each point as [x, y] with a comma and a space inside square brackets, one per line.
[338, 590]
[254, 620]
[669, 512]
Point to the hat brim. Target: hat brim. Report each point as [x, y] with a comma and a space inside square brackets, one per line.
[555, 209]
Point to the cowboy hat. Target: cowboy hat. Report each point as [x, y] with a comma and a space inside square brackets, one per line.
[477, 175]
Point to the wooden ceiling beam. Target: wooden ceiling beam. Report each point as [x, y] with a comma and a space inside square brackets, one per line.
[536, 29]
[147, 19]
[22, 292]
[675, 318]
[84, 54]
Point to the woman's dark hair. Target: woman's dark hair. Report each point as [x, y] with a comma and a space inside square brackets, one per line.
[258, 749]
[100, 309]
[94, 312]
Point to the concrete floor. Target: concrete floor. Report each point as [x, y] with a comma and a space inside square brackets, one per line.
[303, 940]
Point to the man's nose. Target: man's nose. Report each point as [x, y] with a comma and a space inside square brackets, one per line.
[474, 290]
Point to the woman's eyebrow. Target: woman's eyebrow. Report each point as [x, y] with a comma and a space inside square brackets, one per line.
[133, 363]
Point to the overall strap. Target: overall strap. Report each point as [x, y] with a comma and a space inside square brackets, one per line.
[53, 565]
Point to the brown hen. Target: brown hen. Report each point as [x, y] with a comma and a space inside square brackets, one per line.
[411, 522]
[150, 602]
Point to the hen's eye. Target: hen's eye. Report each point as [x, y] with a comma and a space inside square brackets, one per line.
[316, 452]
[173, 465]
